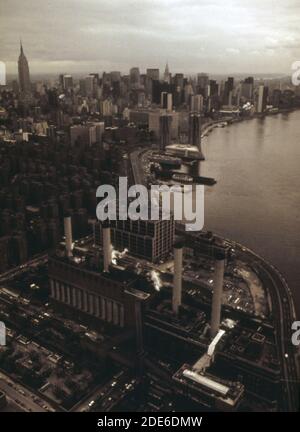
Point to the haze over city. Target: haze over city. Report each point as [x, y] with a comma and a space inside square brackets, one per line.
[258, 36]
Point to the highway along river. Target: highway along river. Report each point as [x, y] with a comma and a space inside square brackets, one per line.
[256, 200]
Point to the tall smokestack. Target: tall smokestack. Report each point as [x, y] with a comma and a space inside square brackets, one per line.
[164, 131]
[107, 250]
[68, 235]
[177, 281]
[195, 132]
[217, 294]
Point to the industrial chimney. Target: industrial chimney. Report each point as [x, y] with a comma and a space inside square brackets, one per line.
[68, 235]
[107, 250]
[177, 281]
[195, 132]
[217, 294]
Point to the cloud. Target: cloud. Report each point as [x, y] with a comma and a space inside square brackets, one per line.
[84, 35]
[234, 51]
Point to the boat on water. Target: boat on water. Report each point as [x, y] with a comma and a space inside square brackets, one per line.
[208, 181]
[183, 178]
[167, 161]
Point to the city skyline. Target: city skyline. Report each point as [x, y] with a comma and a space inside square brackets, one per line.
[149, 208]
[193, 36]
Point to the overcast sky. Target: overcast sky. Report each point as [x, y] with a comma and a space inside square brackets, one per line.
[217, 36]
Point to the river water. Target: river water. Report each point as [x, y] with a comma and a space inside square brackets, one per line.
[256, 200]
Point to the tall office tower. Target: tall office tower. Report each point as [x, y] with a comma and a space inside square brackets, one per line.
[163, 100]
[24, 76]
[165, 131]
[197, 102]
[96, 77]
[153, 74]
[247, 88]
[228, 88]
[213, 95]
[67, 82]
[61, 80]
[195, 131]
[213, 89]
[202, 82]
[178, 97]
[170, 102]
[188, 92]
[179, 80]
[217, 295]
[89, 85]
[134, 76]
[115, 76]
[167, 75]
[261, 101]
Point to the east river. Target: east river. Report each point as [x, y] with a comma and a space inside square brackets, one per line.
[256, 200]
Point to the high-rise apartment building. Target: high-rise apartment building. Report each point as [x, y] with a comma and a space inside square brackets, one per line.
[146, 239]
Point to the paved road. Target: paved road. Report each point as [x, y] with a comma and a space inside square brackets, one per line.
[22, 268]
[283, 312]
[138, 173]
[20, 395]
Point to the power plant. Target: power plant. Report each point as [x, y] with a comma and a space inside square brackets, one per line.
[119, 292]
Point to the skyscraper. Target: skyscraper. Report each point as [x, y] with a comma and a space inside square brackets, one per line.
[261, 99]
[24, 77]
[247, 88]
[167, 76]
[67, 82]
[195, 132]
[202, 83]
[165, 131]
[135, 76]
[227, 95]
[153, 74]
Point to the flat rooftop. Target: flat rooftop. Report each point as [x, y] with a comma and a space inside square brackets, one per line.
[91, 260]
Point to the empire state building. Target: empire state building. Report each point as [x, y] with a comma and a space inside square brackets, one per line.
[24, 77]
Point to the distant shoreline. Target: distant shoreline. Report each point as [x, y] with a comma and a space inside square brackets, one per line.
[208, 127]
